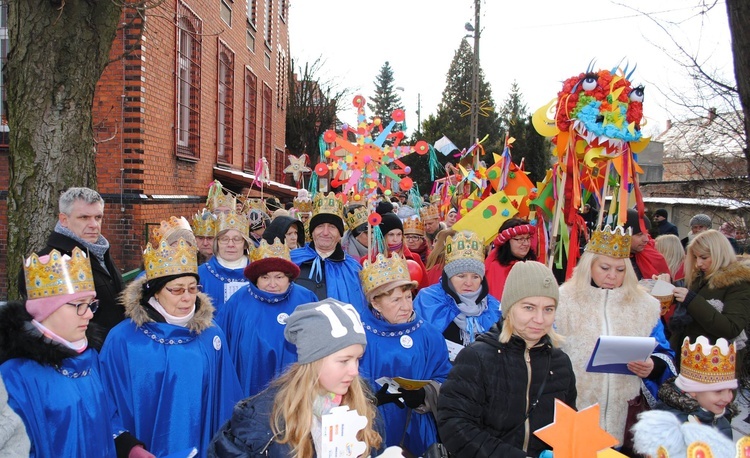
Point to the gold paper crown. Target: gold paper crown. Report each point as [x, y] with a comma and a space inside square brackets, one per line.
[276, 250]
[61, 274]
[465, 245]
[204, 224]
[163, 231]
[170, 260]
[613, 243]
[220, 199]
[303, 205]
[430, 211]
[383, 270]
[414, 226]
[329, 204]
[233, 220]
[357, 217]
[253, 204]
[706, 363]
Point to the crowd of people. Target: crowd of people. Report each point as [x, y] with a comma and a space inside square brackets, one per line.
[250, 322]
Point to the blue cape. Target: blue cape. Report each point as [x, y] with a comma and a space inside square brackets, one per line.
[664, 352]
[172, 387]
[254, 322]
[66, 411]
[342, 277]
[439, 309]
[414, 350]
[215, 280]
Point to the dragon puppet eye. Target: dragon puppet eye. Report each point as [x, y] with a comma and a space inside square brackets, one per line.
[636, 95]
[589, 82]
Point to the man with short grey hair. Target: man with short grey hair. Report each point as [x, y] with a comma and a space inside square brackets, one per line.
[79, 225]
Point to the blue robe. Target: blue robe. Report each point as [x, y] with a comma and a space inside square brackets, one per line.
[66, 411]
[254, 322]
[414, 350]
[664, 352]
[439, 309]
[173, 388]
[219, 282]
[341, 277]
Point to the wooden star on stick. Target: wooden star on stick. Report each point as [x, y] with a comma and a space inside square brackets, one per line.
[576, 434]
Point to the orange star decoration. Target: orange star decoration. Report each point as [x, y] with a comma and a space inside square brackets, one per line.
[576, 434]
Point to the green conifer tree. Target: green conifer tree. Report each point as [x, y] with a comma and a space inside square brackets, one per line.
[385, 99]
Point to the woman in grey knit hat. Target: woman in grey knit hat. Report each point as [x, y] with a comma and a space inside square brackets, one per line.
[460, 305]
[503, 386]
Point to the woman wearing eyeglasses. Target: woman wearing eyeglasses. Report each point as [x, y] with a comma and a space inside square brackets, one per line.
[49, 367]
[514, 242]
[167, 367]
[224, 274]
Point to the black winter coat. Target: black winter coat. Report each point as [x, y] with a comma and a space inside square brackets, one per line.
[483, 402]
[107, 283]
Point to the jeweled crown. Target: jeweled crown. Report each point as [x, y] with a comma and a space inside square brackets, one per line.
[303, 205]
[163, 259]
[430, 211]
[253, 204]
[329, 204]
[464, 245]
[613, 243]
[167, 227]
[277, 249]
[60, 274]
[220, 199]
[706, 363]
[204, 224]
[357, 217]
[414, 226]
[383, 270]
[233, 220]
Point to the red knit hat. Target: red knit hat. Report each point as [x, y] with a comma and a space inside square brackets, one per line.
[262, 266]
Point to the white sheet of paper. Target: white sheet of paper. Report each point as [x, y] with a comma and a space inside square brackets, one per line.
[622, 350]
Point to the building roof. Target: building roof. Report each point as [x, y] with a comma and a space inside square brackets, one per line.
[249, 180]
[717, 134]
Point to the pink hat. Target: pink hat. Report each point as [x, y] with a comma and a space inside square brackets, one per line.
[42, 308]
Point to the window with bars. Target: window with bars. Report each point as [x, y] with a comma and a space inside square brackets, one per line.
[251, 122]
[283, 7]
[225, 115]
[267, 119]
[188, 83]
[268, 21]
[252, 12]
[281, 73]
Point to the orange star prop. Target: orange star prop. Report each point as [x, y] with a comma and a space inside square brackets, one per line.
[575, 434]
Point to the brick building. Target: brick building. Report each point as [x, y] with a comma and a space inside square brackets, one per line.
[199, 95]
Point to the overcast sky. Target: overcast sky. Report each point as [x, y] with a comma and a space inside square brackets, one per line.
[538, 43]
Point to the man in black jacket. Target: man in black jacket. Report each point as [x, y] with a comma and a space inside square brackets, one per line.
[662, 224]
[79, 225]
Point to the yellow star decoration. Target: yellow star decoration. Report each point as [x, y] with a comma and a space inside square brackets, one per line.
[297, 166]
[576, 434]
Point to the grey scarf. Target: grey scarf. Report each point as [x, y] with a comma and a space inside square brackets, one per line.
[98, 249]
[470, 309]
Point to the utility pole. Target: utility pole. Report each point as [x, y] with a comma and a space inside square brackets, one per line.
[475, 85]
[419, 113]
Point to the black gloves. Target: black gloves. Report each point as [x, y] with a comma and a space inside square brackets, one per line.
[384, 397]
[413, 398]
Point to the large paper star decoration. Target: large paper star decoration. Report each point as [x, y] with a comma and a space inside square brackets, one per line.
[576, 434]
[297, 166]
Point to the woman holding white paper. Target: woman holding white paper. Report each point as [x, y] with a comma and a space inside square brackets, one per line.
[716, 301]
[603, 298]
[285, 420]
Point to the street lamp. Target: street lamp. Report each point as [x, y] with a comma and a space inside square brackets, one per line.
[474, 130]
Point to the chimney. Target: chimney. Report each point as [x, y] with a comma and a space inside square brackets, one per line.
[669, 124]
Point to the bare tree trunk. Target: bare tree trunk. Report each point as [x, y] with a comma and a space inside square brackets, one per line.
[738, 12]
[58, 51]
